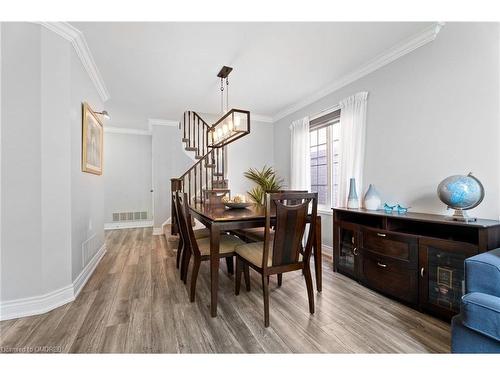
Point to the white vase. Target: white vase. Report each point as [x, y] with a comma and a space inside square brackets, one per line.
[372, 199]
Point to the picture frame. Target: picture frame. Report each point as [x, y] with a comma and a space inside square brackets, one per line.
[92, 141]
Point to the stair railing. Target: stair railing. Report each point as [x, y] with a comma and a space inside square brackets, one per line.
[209, 171]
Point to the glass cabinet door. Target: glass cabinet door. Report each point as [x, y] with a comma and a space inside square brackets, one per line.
[347, 250]
[443, 275]
[446, 278]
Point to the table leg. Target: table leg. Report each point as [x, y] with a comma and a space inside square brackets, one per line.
[318, 269]
[214, 268]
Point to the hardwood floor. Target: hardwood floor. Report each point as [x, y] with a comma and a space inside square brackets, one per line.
[135, 302]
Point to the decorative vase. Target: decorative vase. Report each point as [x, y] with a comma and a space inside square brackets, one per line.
[372, 199]
[352, 199]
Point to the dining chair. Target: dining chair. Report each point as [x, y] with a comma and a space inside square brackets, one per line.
[198, 233]
[257, 234]
[284, 251]
[199, 248]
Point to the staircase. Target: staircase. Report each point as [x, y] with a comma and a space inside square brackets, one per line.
[206, 179]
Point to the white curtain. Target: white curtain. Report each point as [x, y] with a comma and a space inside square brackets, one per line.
[300, 178]
[352, 144]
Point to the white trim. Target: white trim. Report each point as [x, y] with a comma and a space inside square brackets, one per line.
[128, 224]
[157, 231]
[35, 305]
[261, 118]
[327, 250]
[323, 211]
[418, 40]
[41, 304]
[113, 130]
[82, 49]
[84, 276]
[162, 122]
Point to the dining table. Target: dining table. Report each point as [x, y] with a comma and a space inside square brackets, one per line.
[219, 219]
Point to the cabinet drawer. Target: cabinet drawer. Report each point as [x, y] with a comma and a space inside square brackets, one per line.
[394, 245]
[389, 276]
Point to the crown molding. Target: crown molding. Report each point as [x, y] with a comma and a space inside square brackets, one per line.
[162, 122]
[114, 130]
[418, 40]
[82, 49]
[260, 118]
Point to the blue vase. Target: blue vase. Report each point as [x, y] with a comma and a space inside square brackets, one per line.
[352, 199]
[372, 199]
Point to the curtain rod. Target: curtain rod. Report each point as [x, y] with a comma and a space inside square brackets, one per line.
[324, 112]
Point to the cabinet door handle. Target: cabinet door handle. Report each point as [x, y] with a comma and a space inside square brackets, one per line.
[381, 265]
[381, 234]
[355, 251]
[422, 272]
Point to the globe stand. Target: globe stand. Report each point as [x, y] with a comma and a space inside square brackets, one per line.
[462, 215]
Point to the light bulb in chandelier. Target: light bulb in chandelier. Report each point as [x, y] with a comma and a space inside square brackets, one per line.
[225, 129]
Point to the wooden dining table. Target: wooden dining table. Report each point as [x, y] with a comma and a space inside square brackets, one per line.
[217, 218]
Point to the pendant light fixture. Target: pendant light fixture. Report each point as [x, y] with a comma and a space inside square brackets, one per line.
[233, 124]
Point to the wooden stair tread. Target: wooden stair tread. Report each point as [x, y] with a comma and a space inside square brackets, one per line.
[191, 149]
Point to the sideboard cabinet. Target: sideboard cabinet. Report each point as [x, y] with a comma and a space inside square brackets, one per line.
[415, 258]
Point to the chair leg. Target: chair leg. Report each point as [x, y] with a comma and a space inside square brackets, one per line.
[309, 286]
[237, 283]
[280, 279]
[230, 266]
[179, 252]
[265, 289]
[246, 271]
[186, 257]
[194, 277]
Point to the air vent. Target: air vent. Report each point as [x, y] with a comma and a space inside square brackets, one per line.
[130, 216]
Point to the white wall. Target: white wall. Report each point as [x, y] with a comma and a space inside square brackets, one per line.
[127, 174]
[87, 189]
[431, 114]
[55, 159]
[49, 206]
[169, 161]
[252, 151]
[21, 273]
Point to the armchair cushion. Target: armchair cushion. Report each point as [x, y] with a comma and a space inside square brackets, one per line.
[481, 313]
[482, 273]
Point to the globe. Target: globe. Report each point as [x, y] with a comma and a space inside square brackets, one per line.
[461, 193]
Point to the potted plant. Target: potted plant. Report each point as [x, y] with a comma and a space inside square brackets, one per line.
[266, 180]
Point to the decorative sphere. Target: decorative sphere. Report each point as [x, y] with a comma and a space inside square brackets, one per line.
[461, 192]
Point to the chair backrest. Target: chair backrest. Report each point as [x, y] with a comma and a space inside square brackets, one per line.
[184, 217]
[291, 217]
[282, 192]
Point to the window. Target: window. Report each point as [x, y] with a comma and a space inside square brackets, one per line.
[324, 144]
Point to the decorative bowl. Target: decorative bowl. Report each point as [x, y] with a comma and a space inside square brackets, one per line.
[237, 205]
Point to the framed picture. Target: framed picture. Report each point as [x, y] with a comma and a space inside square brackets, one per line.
[92, 136]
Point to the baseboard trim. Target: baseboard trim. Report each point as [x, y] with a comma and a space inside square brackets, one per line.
[129, 224]
[36, 305]
[89, 269]
[42, 304]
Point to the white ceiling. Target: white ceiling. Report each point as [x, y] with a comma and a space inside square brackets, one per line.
[159, 70]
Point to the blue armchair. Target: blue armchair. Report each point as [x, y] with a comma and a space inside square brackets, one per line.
[477, 328]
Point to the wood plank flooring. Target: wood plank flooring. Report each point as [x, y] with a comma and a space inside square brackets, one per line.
[135, 303]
